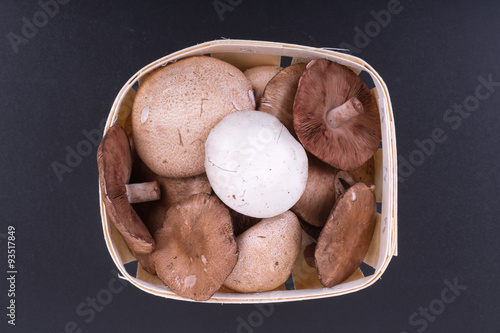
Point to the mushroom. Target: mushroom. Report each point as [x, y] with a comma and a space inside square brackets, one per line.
[267, 253]
[279, 95]
[335, 116]
[259, 76]
[254, 164]
[172, 190]
[346, 237]
[241, 222]
[176, 107]
[195, 248]
[317, 201]
[365, 173]
[114, 161]
[311, 230]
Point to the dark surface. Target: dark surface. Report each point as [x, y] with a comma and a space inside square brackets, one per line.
[64, 80]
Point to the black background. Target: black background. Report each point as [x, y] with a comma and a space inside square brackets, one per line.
[64, 79]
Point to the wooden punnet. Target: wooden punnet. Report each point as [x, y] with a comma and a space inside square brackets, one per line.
[245, 54]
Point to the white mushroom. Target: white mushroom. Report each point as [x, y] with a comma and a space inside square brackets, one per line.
[255, 165]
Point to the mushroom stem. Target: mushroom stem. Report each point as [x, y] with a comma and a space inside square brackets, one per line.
[142, 192]
[339, 115]
[339, 186]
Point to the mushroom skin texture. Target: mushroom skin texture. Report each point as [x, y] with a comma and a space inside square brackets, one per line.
[335, 115]
[259, 76]
[346, 237]
[279, 95]
[172, 190]
[365, 173]
[176, 107]
[315, 204]
[114, 162]
[254, 164]
[267, 253]
[195, 248]
[241, 222]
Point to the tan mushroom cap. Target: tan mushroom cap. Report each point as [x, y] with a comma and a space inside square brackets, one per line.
[259, 76]
[346, 237]
[279, 95]
[195, 248]
[115, 164]
[335, 115]
[176, 107]
[267, 253]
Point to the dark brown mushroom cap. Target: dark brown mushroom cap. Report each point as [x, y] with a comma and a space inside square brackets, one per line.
[115, 164]
[311, 230]
[195, 248]
[315, 204]
[335, 116]
[279, 94]
[346, 237]
[242, 222]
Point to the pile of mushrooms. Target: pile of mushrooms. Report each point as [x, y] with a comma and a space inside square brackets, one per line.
[227, 168]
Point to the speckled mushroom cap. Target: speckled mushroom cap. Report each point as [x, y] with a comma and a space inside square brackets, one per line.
[176, 107]
[259, 76]
[267, 253]
[196, 248]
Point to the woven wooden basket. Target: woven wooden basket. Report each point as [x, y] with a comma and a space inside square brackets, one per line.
[245, 54]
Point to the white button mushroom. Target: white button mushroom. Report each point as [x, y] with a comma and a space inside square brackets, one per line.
[255, 165]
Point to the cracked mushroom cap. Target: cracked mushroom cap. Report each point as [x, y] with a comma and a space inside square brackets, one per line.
[259, 76]
[335, 115]
[114, 161]
[195, 248]
[279, 95]
[346, 237]
[176, 107]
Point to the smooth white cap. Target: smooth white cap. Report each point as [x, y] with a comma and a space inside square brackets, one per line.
[255, 166]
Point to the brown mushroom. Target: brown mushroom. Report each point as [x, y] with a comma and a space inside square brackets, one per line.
[114, 161]
[346, 237]
[311, 230]
[267, 253]
[195, 248]
[317, 201]
[335, 116]
[172, 190]
[259, 76]
[242, 222]
[279, 95]
[177, 106]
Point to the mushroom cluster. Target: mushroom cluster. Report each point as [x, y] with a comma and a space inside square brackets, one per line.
[228, 168]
